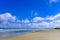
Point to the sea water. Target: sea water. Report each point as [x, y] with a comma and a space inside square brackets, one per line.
[14, 33]
[9, 33]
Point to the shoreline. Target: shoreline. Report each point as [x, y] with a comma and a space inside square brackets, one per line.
[53, 34]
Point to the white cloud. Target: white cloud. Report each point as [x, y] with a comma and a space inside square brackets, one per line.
[55, 21]
[49, 18]
[56, 17]
[7, 16]
[4, 18]
[36, 19]
[37, 22]
[25, 21]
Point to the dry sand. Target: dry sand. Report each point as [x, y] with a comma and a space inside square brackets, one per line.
[42, 35]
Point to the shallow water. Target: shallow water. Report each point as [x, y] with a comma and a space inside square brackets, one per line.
[48, 34]
[16, 33]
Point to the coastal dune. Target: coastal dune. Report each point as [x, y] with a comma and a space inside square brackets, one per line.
[53, 34]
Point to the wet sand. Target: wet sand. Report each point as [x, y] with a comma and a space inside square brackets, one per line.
[52, 34]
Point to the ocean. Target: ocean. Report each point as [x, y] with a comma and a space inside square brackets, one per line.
[15, 32]
[9, 33]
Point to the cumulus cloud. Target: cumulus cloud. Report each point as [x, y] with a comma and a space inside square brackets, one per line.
[9, 21]
[48, 22]
[25, 21]
[37, 19]
[4, 18]
[56, 17]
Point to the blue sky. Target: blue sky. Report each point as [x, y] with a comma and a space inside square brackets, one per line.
[30, 13]
[25, 8]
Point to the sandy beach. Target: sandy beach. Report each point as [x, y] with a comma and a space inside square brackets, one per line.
[39, 35]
